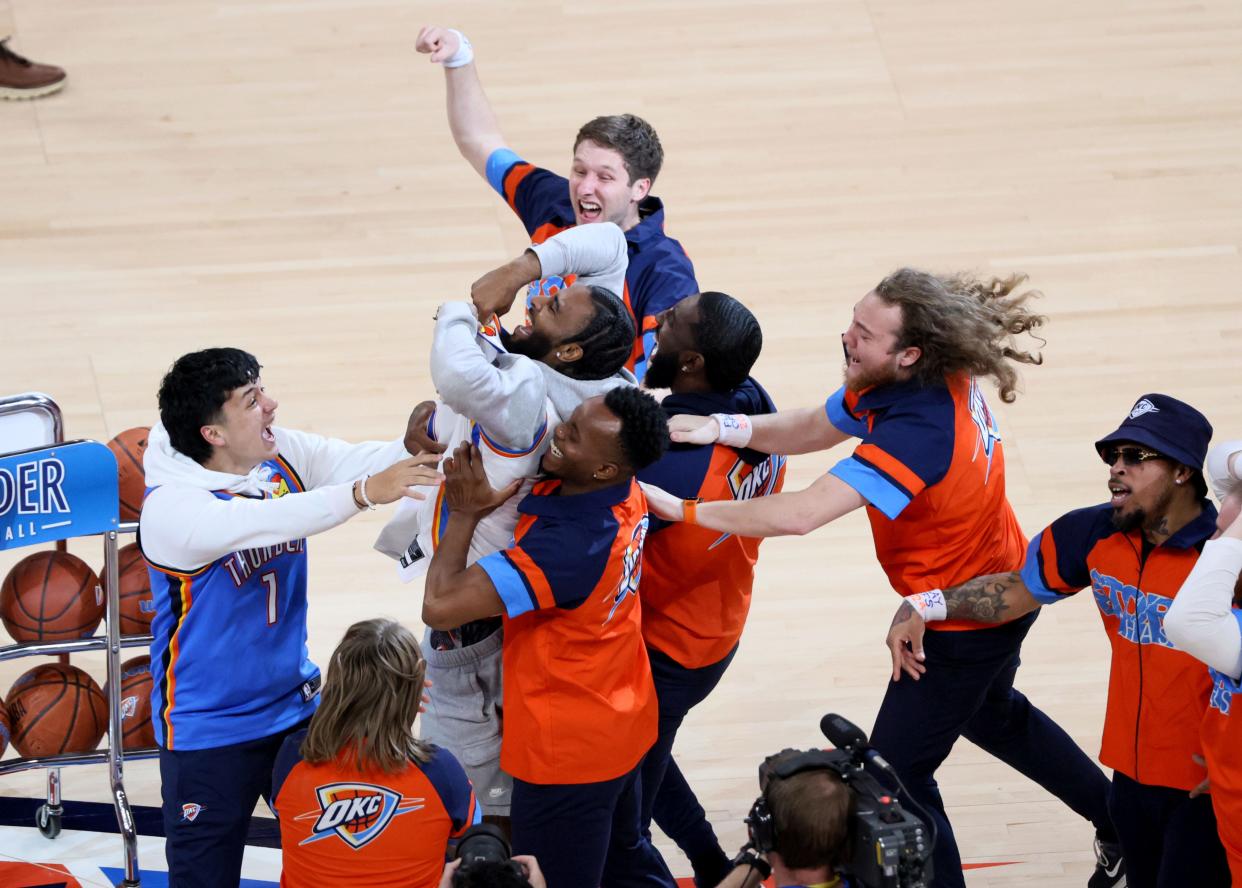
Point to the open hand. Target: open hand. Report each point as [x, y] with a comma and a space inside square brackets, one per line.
[685, 428]
[402, 477]
[466, 488]
[442, 43]
[663, 504]
[905, 643]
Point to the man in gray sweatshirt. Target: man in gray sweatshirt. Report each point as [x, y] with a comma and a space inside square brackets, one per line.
[505, 391]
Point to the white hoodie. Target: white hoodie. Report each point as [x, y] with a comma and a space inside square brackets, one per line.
[184, 526]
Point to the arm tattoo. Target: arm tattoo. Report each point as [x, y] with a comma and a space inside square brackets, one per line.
[904, 613]
[983, 598]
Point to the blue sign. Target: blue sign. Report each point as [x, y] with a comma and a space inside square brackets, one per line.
[57, 492]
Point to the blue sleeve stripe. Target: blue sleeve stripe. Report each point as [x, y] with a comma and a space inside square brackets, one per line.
[877, 488]
[505, 451]
[1033, 575]
[511, 586]
[498, 163]
[640, 366]
[841, 418]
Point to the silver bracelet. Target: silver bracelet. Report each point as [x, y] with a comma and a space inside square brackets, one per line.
[362, 487]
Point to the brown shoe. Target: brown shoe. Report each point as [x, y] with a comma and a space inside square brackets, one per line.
[21, 78]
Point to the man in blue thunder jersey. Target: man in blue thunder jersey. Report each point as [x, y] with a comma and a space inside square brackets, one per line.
[616, 159]
[229, 504]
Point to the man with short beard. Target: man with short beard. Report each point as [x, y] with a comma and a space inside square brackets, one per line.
[931, 471]
[505, 391]
[696, 584]
[1134, 551]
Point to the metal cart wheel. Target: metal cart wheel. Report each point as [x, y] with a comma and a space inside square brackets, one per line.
[48, 821]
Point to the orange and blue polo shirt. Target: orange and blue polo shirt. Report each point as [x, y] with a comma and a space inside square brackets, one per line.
[342, 825]
[579, 701]
[1156, 694]
[932, 469]
[659, 274]
[1222, 748]
[696, 581]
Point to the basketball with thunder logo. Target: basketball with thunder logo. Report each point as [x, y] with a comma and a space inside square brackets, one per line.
[137, 731]
[137, 606]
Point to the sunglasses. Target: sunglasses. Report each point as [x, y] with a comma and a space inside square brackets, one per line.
[1131, 456]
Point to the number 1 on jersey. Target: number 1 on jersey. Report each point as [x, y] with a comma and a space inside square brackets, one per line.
[269, 580]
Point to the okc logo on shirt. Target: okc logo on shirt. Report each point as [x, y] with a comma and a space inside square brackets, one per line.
[357, 813]
[1141, 613]
[190, 811]
[747, 481]
[632, 571]
[989, 434]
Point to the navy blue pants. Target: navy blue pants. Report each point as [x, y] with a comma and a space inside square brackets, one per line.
[1168, 839]
[968, 692]
[587, 834]
[209, 796]
[667, 797]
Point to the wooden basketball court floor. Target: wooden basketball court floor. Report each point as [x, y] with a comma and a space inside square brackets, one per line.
[280, 176]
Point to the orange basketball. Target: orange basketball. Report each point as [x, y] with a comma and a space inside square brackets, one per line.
[128, 448]
[6, 729]
[136, 681]
[55, 709]
[137, 606]
[51, 596]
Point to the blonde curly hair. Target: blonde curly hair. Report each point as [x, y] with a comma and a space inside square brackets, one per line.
[964, 324]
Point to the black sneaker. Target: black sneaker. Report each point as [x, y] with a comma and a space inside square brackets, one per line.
[1110, 868]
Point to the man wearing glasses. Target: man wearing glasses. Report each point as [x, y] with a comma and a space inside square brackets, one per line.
[1134, 551]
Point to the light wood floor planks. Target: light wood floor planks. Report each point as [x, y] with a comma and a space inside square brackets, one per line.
[280, 176]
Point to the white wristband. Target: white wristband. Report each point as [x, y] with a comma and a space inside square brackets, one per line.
[735, 429]
[930, 605]
[465, 52]
[362, 487]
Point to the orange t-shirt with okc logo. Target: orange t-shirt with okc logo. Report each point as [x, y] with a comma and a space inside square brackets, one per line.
[579, 701]
[932, 469]
[368, 828]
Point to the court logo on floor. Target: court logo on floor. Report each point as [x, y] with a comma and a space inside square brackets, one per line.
[357, 813]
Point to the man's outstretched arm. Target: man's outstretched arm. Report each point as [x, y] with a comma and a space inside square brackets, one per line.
[805, 430]
[995, 598]
[471, 119]
[780, 514]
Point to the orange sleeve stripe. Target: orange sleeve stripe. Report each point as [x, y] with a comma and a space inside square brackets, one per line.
[546, 230]
[892, 467]
[174, 651]
[519, 172]
[533, 575]
[1048, 557]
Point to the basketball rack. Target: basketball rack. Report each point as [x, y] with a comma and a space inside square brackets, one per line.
[35, 422]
